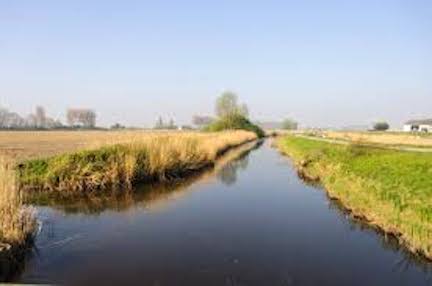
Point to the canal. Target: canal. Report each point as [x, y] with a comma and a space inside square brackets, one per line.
[250, 221]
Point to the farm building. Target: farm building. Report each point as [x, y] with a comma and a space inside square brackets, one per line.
[418, 125]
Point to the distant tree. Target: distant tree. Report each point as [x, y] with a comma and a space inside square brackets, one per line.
[381, 126]
[4, 113]
[40, 117]
[289, 124]
[159, 123]
[244, 110]
[202, 121]
[89, 119]
[232, 116]
[31, 121]
[117, 126]
[171, 124]
[227, 104]
[81, 117]
[13, 120]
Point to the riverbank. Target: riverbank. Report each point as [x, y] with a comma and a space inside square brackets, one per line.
[153, 195]
[389, 189]
[157, 157]
[17, 224]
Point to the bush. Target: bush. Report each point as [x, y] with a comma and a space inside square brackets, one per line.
[381, 126]
[234, 122]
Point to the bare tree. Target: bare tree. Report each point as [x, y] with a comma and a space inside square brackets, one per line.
[81, 117]
[38, 120]
[159, 123]
[227, 105]
[4, 113]
[40, 117]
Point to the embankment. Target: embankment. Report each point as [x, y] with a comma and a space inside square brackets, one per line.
[158, 158]
[17, 224]
[389, 189]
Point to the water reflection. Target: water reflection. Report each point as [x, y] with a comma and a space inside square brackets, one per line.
[152, 196]
[267, 229]
[387, 241]
[228, 174]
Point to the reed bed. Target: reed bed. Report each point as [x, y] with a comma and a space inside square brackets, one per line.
[17, 221]
[121, 161]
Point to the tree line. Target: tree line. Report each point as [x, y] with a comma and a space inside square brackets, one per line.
[76, 118]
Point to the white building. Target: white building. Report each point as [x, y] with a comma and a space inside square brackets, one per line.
[418, 126]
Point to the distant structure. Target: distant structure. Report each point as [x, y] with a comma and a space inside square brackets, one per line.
[81, 118]
[424, 125]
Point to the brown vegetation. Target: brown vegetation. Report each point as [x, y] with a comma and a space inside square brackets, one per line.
[17, 223]
[119, 159]
[394, 139]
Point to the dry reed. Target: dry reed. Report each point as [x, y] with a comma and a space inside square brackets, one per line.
[123, 161]
[16, 220]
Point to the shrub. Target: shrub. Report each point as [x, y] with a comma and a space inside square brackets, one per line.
[381, 126]
[235, 122]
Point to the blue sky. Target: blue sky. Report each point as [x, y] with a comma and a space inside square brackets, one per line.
[325, 63]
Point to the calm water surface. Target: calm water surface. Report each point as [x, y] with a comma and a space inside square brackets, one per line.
[251, 221]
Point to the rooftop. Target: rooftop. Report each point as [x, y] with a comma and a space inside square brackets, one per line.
[420, 122]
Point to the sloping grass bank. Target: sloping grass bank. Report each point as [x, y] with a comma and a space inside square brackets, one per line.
[156, 158]
[390, 189]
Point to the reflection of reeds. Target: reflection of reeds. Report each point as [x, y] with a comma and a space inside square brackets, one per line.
[157, 157]
[16, 221]
[151, 196]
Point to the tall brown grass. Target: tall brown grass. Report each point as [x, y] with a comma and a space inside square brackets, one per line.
[385, 138]
[17, 221]
[123, 161]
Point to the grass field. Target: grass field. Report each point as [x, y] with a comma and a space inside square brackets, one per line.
[385, 138]
[391, 189]
[72, 162]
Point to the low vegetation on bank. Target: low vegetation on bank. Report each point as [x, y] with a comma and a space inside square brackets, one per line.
[158, 157]
[17, 223]
[390, 189]
[16, 220]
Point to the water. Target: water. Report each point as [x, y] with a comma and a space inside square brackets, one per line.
[250, 222]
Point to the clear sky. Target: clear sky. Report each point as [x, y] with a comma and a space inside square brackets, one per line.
[325, 63]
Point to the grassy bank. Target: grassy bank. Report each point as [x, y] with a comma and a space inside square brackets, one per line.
[390, 189]
[150, 196]
[156, 157]
[17, 223]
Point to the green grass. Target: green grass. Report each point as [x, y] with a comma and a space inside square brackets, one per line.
[392, 189]
[235, 122]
